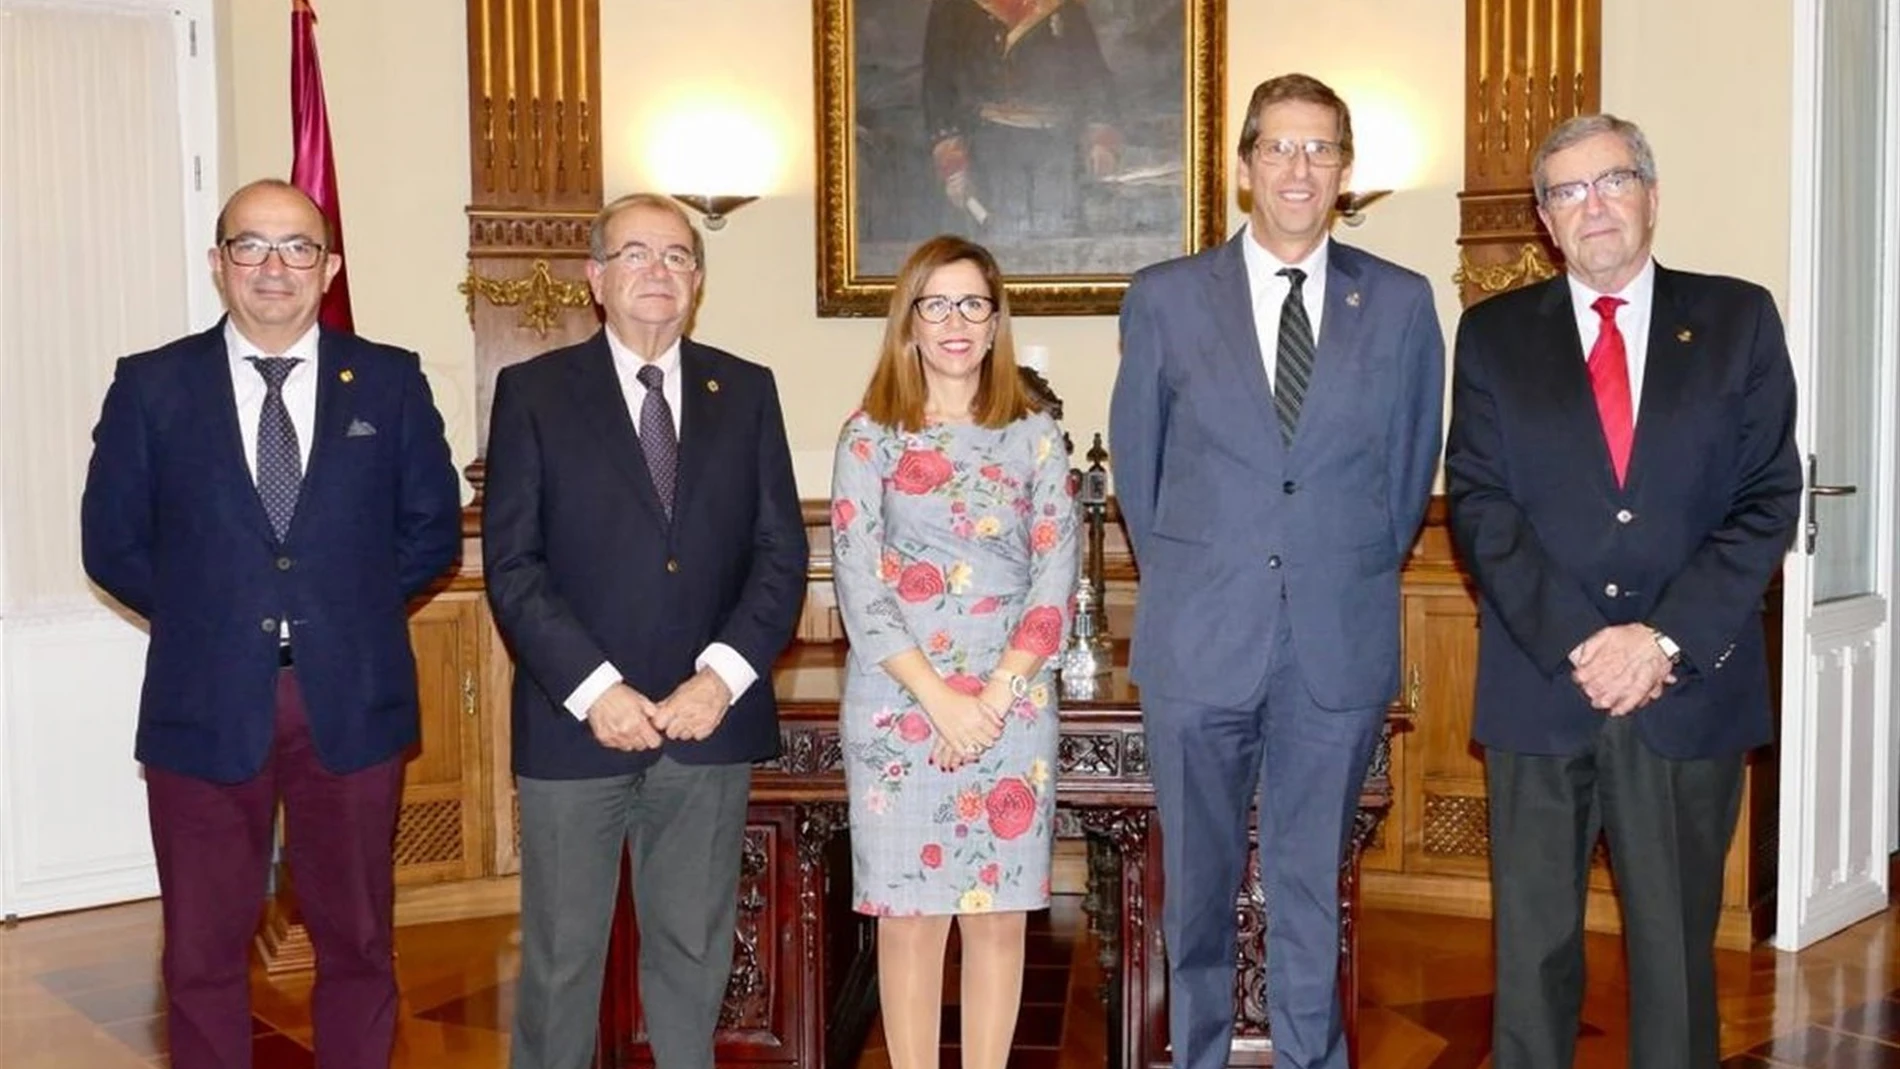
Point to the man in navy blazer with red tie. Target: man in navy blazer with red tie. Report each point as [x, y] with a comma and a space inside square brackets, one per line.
[1622, 512]
[269, 495]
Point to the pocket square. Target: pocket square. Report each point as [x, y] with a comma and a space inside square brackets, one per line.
[359, 429]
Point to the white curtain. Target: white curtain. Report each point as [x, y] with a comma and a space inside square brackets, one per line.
[93, 259]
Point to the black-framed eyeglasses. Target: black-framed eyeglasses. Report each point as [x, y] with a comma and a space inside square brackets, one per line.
[639, 256]
[299, 254]
[1610, 185]
[936, 307]
[1318, 151]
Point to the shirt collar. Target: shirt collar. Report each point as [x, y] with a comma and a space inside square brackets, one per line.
[1636, 294]
[628, 362]
[240, 348]
[1263, 266]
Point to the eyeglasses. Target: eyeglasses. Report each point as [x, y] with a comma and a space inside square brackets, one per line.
[1609, 185]
[935, 308]
[641, 256]
[299, 254]
[1319, 152]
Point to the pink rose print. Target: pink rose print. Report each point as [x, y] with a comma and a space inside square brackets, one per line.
[969, 804]
[1012, 806]
[940, 642]
[1040, 632]
[964, 684]
[963, 831]
[920, 582]
[990, 873]
[919, 471]
[913, 727]
[842, 511]
[931, 856]
[1042, 538]
[889, 566]
[861, 449]
[985, 606]
[883, 718]
[894, 771]
[993, 472]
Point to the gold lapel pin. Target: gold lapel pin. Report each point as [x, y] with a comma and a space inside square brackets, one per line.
[712, 385]
[1352, 299]
[1685, 334]
[347, 375]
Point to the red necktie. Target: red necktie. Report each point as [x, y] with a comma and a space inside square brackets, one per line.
[1610, 381]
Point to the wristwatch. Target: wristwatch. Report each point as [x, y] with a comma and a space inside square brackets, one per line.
[1018, 686]
[1667, 645]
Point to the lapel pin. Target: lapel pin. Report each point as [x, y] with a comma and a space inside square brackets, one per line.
[347, 375]
[1685, 334]
[712, 385]
[1352, 299]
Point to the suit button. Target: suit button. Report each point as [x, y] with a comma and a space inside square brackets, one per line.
[283, 564]
[1287, 487]
[267, 624]
[1273, 561]
[672, 566]
[1624, 515]
[1609, 590]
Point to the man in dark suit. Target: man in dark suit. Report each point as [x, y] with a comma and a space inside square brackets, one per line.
[279, 665]
[1274, 428]
[646, 561]
[1622, 513]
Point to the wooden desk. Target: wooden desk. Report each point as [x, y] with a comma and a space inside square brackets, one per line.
[803, 983]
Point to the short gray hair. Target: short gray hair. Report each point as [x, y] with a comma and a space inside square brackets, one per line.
[597, 232]
[1582, 128]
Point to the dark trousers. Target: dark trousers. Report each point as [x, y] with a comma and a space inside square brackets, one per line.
[213, 842]
[683, 827]
[1305, 765]
[1668, 825]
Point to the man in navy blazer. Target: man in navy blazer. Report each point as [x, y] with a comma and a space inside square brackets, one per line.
[1622, 512]
[646, 561]
[1274, 429]
[269, 495]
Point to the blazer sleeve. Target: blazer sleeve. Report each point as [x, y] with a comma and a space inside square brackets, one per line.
[1718, 591]
[116, 519]
[761, 624]
[1417, 438]
[1546, 613]
[548, 641]
[429, 509]
[1138, 413]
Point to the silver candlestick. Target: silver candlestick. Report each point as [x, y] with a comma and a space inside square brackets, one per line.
[1088, 655]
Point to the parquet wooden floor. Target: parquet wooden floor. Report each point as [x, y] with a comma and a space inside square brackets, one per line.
[82, 991]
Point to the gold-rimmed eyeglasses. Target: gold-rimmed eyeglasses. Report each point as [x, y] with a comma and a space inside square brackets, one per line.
[1318, 151]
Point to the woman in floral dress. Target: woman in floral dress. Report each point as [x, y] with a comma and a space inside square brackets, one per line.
[954, 545]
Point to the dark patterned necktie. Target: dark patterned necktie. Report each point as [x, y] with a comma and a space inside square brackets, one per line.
[279, 463]
[1293, 369]
[657, 438]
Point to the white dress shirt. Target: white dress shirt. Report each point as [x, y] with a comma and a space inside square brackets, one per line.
[1632, 318]
[247, 385]
[726, 662]
[1269, 289]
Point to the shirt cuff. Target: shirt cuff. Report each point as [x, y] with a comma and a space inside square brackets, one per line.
[730, 667]
[597, 683]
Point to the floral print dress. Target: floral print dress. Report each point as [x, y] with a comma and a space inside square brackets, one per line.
[958, 540]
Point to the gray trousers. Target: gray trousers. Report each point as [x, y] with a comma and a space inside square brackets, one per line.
[1668, 824]
[683, 826]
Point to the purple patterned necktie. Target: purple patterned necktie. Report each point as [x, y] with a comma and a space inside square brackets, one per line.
[657, 438]
[279, 462]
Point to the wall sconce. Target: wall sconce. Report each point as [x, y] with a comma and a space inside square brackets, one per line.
[715, 209]
[1352, 206]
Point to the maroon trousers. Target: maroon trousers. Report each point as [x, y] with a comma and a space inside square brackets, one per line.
[213, 842]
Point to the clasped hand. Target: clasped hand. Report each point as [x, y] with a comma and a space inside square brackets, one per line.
[965, 727]
[1621, 668]
[625, 719]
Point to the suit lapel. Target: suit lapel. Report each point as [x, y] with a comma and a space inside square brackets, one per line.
[1666, 366]
[1572, 397]
[333, 414]
[700, 413]
[1341, 328]
[209, 389]
[1231, 300]
[600, 401]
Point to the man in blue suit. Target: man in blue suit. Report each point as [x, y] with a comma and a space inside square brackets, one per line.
[1624, 484]
[1274, 428]
[646, 561]
[269, 495]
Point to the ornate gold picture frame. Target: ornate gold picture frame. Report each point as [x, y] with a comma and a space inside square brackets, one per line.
[1080, 140]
